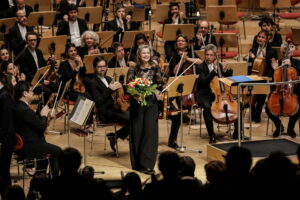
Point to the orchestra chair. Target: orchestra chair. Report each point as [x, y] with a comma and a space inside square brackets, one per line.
[230, 40]
[293, 36]
[29, 163]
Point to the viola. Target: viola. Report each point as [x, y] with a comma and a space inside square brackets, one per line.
[283, 101]
[120, 103]
[224, 109]
[78, 85]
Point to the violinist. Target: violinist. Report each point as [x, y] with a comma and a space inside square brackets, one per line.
[274, 38]
[4, 55]
[119, 60]
[262, 50]
[203, 36]
[184, 56]
[175, 16]
[89, 44]
[31, 127]
[207, 71]
[102, 88]
[120, 22]
[72, 68]
[290, 62]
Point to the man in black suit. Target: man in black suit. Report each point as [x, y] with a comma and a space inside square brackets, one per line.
[31, 127]
[4, 8]
[119, 22]
[207, 71]
[119, 59]
[18, 32]
[32, 59]
[74, 27]
[102, 88]
[19, 5]
[7, 134]
[203, 36]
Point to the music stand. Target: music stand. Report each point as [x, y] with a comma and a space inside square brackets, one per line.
[117, 72]
[45, 18]
[59, 43]
[138, 14]
[40, 72]
[161, 12]
[200, 54]
[129, 36]
[296, 35]
[238, 68]
[178, 87]
[92, 15]
[216, 2]
[40, 5]
[89, 59]
[275, 4]
[6, 24]
[106, 38]
[228, 40]
[172, 30]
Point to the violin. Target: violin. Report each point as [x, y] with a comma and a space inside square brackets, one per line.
[78, 85]
[224, 109]
[283, 101]
[52, 74]
[120, 103]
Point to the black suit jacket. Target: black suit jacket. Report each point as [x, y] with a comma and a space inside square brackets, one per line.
[206, 42]
[63, 27]
[12, 11]
[102, 96]
[27, 63]
[7, 129]
[4, 8]
[113, 26]
[270, 53]
[204, 79]
[16, 42]
[113, 63]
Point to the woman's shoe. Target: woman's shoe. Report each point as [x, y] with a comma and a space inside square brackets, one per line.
[212, 139]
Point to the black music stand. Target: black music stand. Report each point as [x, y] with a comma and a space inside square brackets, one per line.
[172, 30]
[40, 19]
[179, 87]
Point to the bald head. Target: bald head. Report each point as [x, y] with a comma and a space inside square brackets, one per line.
[203, 27]
[21, 17]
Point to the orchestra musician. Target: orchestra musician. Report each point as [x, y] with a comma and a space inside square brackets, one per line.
[89, 44]
[102, 87]
[290, 62]
[144, 119]
[7, 133]
[4, 55]
[262, 50]
[207, 71]
[119, 22]
[74, 27]
[119, 59]
[31, 127]
[175, 16]
[182, 51]
[203, 36]
[274, 38]
[19, 5]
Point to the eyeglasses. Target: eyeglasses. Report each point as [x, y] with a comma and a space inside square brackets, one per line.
[32, 40]
[102, 66]
[203, 27]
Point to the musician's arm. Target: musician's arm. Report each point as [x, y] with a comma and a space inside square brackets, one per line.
[205, 78]
[100, 96]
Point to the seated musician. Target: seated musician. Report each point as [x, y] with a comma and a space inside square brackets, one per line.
[89, 44]
[19, 5]
[32, 126]
[263, 50]
[267, 24]
[119, 59]
[207, 71]
[203, 36]
[119, 22]
[290, 62]
[4, 55]
[102, 88]
[175, 16]
[174, 70]
[72, 68]
[74, 27]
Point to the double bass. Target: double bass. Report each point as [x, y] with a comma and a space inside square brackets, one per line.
[283, 101]
[224, 109]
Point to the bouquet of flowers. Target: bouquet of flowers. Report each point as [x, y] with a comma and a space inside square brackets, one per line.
[141, 87]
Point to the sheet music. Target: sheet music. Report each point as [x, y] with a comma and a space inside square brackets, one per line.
[82, 111]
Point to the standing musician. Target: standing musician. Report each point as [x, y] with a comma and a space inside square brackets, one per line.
[144, 119]
[207, 71]
[274, 38]
[32, 126]
[263, 50]
[89, 44]
[203, 36]
[102, 88]
[182, 51]
[119, 22]
[72, 68]
[291, 62]
[119, 60]
[175, 17]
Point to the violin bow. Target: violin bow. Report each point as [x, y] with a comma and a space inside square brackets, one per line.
[56, 98]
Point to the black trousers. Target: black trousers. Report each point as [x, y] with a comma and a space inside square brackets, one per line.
[205, 101]
[5, 178]
[143, 136]
[258, 106]
[174, 127]
[277, 122]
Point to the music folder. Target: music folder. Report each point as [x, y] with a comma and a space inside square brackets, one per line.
[245, 79]
[81, 110]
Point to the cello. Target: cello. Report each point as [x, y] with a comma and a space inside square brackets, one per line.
[283, 101]
[224, 109]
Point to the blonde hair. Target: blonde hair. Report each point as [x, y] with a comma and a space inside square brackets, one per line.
[93, 34]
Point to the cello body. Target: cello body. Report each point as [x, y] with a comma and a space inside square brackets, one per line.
[259, 66]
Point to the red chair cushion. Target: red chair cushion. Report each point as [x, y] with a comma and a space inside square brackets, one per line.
[296, 53]
[229, 31]
[289, 15]
[240, 14]
[228, 54]
[70, 102]
[159, 34]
